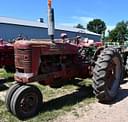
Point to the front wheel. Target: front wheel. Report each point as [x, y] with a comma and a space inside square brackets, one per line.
[26, 101]
[9, 95]
[107, 75]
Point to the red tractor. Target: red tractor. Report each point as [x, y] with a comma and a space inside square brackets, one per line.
[6, 55]
[49, 62]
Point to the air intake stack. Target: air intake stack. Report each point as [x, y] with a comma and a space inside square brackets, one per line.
[51, 24]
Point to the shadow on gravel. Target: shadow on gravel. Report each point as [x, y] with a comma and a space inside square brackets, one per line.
[3, 81]
[3, 87]
[82, 93]
[122, 94]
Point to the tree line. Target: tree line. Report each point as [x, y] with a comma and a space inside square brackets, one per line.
[118, 34]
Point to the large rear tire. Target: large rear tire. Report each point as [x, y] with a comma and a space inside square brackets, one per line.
[107, 75]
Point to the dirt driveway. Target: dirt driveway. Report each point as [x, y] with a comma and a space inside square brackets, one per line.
[97, 112]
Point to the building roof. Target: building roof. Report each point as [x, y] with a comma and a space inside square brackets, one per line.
[7, 20]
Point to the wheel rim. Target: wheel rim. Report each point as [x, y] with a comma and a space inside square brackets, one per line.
[113, 76]
[28, 103]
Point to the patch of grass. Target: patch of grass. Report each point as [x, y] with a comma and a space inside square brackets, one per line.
[5, 74]
[74, 94]
[5, 77]
[1, 103]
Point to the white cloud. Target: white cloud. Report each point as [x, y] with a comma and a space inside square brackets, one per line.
[82, 20]
[71, 24]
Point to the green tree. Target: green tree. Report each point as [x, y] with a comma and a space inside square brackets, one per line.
[80, 26]
[120, 32]
[97, 26]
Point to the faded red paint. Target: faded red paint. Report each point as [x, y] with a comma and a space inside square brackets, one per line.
[29, 54]
[6, 54]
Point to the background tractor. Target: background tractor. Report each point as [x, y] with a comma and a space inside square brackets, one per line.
[6, 56]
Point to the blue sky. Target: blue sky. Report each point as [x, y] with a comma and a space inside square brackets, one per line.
[68, 12]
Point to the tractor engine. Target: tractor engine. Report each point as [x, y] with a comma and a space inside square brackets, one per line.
[53, 63]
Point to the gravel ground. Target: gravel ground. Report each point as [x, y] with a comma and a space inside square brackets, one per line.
[97, 112]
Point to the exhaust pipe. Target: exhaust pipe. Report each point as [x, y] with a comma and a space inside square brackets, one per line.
[51, 22]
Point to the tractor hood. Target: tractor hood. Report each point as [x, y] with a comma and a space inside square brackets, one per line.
[47, 47]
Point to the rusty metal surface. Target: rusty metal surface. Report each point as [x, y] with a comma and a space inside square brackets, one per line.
[48, 61]
[6, 54]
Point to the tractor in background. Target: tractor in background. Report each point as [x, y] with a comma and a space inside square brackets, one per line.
[6, 58]
[6, 55]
